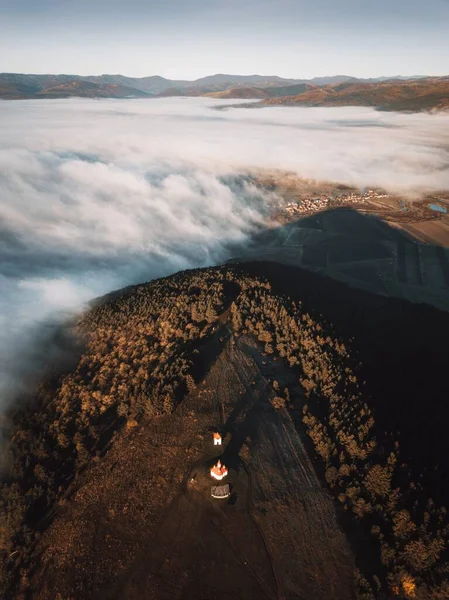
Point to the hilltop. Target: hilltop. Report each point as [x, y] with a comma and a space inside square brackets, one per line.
[332, 429]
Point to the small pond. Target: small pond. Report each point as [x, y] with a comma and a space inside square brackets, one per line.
[438, 208]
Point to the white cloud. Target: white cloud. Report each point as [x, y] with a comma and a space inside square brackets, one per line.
[56, 293]
[99, 194]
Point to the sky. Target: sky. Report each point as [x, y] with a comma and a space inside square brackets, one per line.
[188, 39]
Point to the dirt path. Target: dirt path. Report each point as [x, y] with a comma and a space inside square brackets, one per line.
[294, 511]
[143, 523]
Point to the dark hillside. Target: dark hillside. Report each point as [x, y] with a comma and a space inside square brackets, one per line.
[109, 493]
[404, 355]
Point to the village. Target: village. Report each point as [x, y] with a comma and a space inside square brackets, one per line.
[318, 203]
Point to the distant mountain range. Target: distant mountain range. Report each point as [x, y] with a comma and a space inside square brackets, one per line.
[397, 93]
[18, 85]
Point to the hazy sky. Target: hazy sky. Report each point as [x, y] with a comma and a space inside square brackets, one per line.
[192, 38]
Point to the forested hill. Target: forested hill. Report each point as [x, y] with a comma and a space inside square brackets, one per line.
[371, 402]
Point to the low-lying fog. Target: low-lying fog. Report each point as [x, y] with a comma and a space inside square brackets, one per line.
[98, 194]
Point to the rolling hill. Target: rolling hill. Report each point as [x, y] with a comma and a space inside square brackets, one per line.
[86, 89]
[422, 94]
[24, 85]
[32, 84]
[257, 92]
[62, 87]
[238, 92]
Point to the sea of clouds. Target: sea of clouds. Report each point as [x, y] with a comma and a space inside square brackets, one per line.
[98, 194]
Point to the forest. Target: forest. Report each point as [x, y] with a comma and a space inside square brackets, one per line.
[373, 408]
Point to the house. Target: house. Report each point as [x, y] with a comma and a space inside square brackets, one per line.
[218, 471]
[217, 439]
[220, 491]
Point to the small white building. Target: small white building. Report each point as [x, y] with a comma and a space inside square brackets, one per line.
[217, 439]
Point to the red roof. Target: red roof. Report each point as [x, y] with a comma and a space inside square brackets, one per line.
[219, 471]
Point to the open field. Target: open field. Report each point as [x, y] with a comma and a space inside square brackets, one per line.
[430, 232]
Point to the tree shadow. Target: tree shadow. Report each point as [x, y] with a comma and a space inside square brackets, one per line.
[402, 344]
[361, 250]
